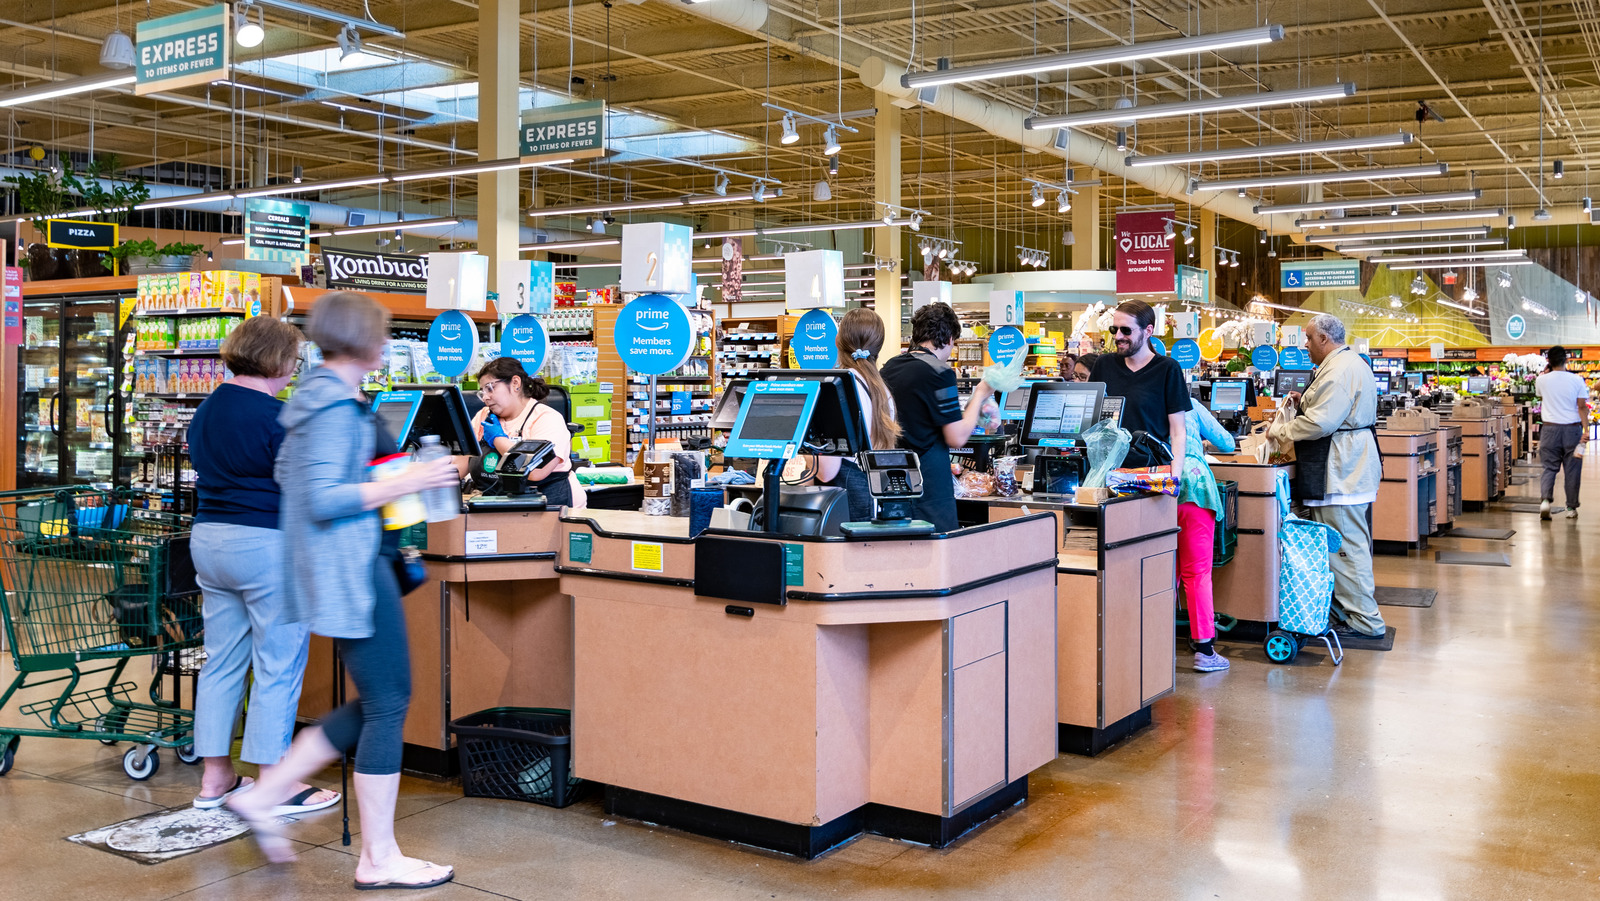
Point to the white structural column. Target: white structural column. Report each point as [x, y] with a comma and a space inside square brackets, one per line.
[1086, 227]
[1207, 258]
[886, 291]
[499, 66]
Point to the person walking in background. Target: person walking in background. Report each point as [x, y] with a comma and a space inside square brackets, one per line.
[1199, 511]
[1337, 467]
[238, 559]
[339, 564]
[1563, 417]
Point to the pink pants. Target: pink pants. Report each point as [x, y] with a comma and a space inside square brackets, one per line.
[1195, 545]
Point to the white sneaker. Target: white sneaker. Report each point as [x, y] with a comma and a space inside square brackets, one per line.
[1209, 663]
[1572, 513]
[1544, 510]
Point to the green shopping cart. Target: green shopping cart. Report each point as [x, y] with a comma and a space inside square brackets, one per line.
[88, 582]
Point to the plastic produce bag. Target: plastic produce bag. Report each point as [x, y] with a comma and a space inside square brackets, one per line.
[1007, 377]
[1107, 446]
[1279, 451]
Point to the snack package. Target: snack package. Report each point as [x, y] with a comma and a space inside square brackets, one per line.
[399, 364]
[422, 365]
[250, 293]
[971, 483]
[196, 294]
[232, 283]
[1152, 480]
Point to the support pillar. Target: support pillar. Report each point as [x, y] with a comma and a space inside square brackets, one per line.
[1086, 227]
[499, 70]
[886, 286]
[1207, 259]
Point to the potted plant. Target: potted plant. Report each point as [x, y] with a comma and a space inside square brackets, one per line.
[40, 193]
[110, 204]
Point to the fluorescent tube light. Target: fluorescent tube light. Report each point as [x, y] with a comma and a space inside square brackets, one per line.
[397, 226]
[561, 246]
[1055, 62]
[474, 169]
[1475, 231]
[1358, 249]
[1367, 202]
[1295, 148]
[1470, 264]
[303, 187]
[1191, 107]
[66, 87]
[185, 200]
[1447, 257]
[1437, 216]
[1308, 178]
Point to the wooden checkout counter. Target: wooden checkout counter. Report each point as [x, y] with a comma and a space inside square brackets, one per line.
[1407, 507]
[1486, 446]
[792, 692]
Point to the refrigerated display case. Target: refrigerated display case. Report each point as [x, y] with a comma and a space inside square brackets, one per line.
[69, 407]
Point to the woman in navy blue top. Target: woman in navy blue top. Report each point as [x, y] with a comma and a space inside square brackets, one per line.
[238, 554]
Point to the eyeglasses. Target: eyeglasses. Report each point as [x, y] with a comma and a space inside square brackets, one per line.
[487, 388]
[1122, 330]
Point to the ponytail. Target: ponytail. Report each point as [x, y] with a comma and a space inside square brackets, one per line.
[861, 330]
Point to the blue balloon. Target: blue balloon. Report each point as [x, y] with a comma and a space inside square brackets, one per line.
[814, 341]
[654, 334]
[1005, 343]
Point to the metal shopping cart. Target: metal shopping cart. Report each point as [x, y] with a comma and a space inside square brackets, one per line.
[86, 578]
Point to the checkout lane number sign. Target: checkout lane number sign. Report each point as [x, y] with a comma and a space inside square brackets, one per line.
[1005, 343]
[814, 341]
[525, 340]
[654, 334]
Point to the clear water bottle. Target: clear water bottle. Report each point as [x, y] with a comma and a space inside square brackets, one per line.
[443, 503]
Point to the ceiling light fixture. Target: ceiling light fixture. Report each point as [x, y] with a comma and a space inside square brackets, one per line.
[397, 227]
[117, 51]
[299, 174]
[477, 168]
[245, 32]
[1337, 175]
[1358, 249]
[349, 41]
[1038, 197]
[1367, 202]
[1438, 216]
[1558, 169]
[1063, 202]
[791, 134]
[64, 88]
[1191, 107]
[1477, 231]
[315, 186]
[1104, 56]
[1295, 148]
[1460, 264]
[1446, 257]
[830, 142]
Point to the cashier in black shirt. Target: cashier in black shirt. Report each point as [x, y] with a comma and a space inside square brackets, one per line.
[1155, 397]
[928, 407]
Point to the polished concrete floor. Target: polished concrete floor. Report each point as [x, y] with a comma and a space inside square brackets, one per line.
[1464, 764]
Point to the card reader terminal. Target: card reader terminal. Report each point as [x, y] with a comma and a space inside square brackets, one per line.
[895, 481]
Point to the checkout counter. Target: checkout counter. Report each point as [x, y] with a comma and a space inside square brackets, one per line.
[1403, 516]
[1485, 450]
[792, 689]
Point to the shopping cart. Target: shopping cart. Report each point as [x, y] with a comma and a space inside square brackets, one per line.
[1305, 589]
[87, 578]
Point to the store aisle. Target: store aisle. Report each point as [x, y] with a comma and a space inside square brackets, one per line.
[1460, 765]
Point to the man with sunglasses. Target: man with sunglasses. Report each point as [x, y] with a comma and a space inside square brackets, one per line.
[1155, 397]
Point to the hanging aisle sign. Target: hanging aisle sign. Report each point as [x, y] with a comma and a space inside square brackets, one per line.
[1005, 343]
[1315, 275]
[653, 335]
[185, 49]
[1145, 260]
[525, 340]
[80, 235]
[569, 131]
[451, 341]
[1194, 284]
[656, 258]
[814, 341]
[277, 230]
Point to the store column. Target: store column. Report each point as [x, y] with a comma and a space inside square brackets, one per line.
[1086, 227]
[886, 287]
[499, 71]
[1208, 252]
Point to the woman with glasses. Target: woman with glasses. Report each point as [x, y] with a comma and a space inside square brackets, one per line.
[512, 411]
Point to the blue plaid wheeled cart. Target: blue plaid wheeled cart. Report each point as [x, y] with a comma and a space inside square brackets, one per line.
[1305, 589]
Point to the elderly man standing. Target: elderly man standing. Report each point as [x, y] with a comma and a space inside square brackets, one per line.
[1338, 467]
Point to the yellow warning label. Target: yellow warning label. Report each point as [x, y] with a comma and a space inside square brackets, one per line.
[647, 556]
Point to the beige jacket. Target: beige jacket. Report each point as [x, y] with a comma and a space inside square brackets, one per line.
[1342, 395]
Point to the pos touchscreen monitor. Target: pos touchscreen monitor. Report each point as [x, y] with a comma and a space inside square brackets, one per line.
[1059, 412]
[410, 411]
[1230, 395]
[1287, 380]
[1014, 404]
[772, 420]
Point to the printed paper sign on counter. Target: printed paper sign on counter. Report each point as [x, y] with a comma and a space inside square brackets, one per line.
[813, 279]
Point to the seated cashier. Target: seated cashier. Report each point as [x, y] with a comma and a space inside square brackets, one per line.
[512, 411]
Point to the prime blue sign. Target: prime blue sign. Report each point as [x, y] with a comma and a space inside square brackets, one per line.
[815, 341]
[1005, 343]
[525, 340]
[653, 334]
[187, 48]
[1264, 357]
[1317, 275]
[451, 340]
[1186, 352]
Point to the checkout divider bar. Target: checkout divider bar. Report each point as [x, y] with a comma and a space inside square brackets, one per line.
[490, 558]
[624, 577]
[912, 593]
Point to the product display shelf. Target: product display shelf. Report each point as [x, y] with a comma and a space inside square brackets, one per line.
[630, 413]
[748, 343]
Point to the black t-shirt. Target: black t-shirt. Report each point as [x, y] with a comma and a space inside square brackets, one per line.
[1150, 395]
[925, 398]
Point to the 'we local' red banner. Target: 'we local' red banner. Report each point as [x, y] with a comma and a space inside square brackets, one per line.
[1145, 259]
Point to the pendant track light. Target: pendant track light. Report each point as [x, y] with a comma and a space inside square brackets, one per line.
[791, 134]
[1038, 197]
[245, 32]
[830, 145]
[1063, 202]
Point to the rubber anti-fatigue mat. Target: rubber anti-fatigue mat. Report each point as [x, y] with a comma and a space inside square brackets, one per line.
[1362, 643]
[1488, 534]
[1405, 597]
[1528, 508]
[1471, 558]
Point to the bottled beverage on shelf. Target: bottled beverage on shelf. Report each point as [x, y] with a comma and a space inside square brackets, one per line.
[443, 503]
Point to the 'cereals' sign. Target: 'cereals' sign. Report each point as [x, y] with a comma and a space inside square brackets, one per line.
[179, 50]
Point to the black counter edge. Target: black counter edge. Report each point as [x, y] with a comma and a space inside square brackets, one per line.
[486, 558]
[624, 577]
[820, 539]
[910, 593]
[1141, 539]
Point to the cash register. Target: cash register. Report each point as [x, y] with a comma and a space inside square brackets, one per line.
[1052, 433]
[1231, 400]
[408, 412]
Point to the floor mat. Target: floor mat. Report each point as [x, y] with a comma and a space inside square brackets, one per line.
[1405, 597]
[1472, 558]
[165, 834]
[1489, 534]
[1527, 508]
[1361, 643]
[1519, 499]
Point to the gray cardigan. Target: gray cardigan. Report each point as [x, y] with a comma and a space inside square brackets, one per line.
[330, 543]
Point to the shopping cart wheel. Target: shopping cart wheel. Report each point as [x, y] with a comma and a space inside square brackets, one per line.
[187, 755]
[1280, 647]
[138, 770]
[9, 755]
[115, 721]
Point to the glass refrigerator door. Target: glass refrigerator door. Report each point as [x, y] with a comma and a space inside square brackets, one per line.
[40, 398]
[86, 418]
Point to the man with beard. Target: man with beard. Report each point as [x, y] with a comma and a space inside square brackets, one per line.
[1155, 398]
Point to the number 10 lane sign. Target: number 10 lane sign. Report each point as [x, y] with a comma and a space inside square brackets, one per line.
[179, 50]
